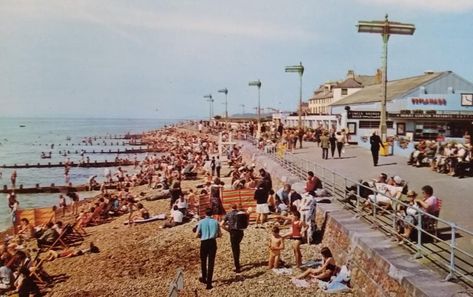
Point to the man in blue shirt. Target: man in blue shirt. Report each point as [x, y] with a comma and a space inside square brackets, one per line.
[208, 230]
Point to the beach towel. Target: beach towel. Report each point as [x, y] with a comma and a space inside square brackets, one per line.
[282, 271]
[300, 283]
[312, 264]
[161, 216]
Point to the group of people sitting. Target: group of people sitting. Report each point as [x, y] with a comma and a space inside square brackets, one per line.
[391, 194]
[455, 159]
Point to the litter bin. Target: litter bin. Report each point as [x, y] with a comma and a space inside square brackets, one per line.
[386, 150]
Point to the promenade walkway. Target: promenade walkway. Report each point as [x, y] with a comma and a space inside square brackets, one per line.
[457, 207]
[356, 163]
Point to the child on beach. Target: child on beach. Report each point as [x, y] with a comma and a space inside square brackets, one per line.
[297, 233]
[276, 245]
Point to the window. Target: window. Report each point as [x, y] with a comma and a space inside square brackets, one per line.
[374, 124]
[344, 91]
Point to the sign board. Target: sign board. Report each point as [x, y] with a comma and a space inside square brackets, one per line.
[432, 116]
[364, 115]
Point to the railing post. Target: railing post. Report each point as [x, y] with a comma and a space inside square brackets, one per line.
[344, 188]
[418, 253]
[452, 275]
[333, 183]
[357, 205]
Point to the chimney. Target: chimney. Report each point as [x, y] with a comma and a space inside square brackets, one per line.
[351, 74]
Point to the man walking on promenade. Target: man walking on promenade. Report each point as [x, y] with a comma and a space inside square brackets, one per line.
[375, 142]
[229, 224]
[208, 230]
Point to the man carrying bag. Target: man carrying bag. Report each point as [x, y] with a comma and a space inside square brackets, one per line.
[235, 222]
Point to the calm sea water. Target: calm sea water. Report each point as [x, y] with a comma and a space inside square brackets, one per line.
[24, 145]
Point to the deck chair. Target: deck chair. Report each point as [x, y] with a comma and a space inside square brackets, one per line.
[60, 240]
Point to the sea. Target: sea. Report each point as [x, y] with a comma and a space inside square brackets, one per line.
[22, 140]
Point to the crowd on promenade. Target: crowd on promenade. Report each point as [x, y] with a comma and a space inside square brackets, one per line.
[455, 159]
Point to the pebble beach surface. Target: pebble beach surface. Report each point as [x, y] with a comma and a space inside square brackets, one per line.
[143, 261]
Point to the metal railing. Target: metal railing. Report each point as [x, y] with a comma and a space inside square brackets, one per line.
[443, 252]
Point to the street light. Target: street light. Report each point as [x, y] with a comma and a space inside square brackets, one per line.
[257, 83]
[385, 28]
[225, 91]
[210, 100]
[242, 109]
[298, 69]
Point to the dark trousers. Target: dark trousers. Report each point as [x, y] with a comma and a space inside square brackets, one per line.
[375, 154]
[218, 171]
[332, 149]
[236, 237]
[339, 148]
[325, 153]
[208, 250]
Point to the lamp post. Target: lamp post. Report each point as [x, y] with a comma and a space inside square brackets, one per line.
[386, 29]
[225, 91]
[257, 83]
[242, 109]
[298, 69]
[210, 100]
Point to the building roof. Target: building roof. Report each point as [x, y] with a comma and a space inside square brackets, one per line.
[349, 83]
[368, 80]
[396, 89]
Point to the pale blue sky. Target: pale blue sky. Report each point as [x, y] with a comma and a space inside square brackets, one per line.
[128, 58]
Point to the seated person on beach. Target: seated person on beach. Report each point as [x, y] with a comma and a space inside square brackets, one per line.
[143, 213]
[70, 252]
[276, 245]
[49, 236]
[25, 285]
[26, 230]
[324, 272]
[177, 218]
[182, 204]
[6, 276]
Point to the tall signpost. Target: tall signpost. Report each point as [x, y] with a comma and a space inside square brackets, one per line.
[386, 29]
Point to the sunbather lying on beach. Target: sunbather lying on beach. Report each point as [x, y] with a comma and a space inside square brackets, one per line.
[70, 252]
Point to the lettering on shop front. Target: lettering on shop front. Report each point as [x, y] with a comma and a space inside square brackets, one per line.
[429, 101]
[433, 116]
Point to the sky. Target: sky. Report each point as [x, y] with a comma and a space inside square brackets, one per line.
[157, 59]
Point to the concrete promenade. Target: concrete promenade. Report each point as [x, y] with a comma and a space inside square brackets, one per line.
[456, 194]
[357, 163]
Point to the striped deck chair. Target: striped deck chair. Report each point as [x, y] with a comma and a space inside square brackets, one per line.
[204, 203]
[243, 197]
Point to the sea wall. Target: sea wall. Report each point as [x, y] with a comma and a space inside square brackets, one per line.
[378, 266]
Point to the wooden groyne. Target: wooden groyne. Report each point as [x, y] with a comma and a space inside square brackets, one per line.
[110, 151]
[93, 144]
[94, 164]
[54, 189]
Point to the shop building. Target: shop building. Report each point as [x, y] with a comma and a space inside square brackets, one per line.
[432, 106]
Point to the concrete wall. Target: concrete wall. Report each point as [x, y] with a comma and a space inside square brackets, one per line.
[378, 266]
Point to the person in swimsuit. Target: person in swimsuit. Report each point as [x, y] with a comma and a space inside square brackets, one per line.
[297, 231]
[276, 245]
[324, 272]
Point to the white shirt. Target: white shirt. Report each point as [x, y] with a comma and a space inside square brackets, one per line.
[181, 203]
[177, 216]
